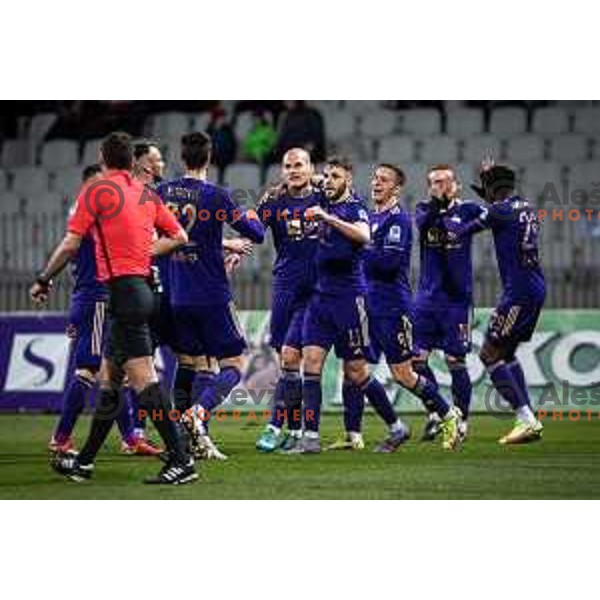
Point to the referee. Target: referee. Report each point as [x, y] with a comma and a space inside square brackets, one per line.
[123, 214]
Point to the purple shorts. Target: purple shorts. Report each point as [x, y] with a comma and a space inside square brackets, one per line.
[213, 331]
[512, 323]
[338, 321]
[287, 319]
[392, 336]
[446, 328]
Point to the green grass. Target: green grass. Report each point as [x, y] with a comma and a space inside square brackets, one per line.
[565, 465]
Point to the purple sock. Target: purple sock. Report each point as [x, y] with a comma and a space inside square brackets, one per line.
[422, 368]
[354, 406]
[292, 398]
[312, 395]
[505, 384]
[377, 396]
[278, 411]
[225, 381]
[516, 370]
[73, 405]
[461, 388]
[205, 391]
[125, 419]
[430, 395]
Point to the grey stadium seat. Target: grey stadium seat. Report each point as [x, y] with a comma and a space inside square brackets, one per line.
[508, 121]
[58, 154]
[91, 152]
[40, 125]
[551, 119]
[525, 148]
[439, 149]
[29, 181]
[537, 176]
[478, 147]
[361, 178]
[340, 125]
[171, 124]
[421, 121]
[243, 177]
[3, 181]
[587, 120]
[67, 181]
[463, 122]
[397, 149]
[378, 124]
[17, 153]
[10, 203]
[570, 149]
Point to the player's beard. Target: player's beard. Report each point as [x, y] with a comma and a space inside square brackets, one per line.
[338, 194]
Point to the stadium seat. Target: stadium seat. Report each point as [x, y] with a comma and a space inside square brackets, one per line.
[378, 124]
[463, 122]
[340, 125]
[466, 176]
[361, 107]
[243, 177]
[397, 149]
[508, 121]
[47, 203]
[273, 173]
[583, 175]
[40, 125]
[66, 182]
[3, 181]
[537, 176]
[570, 149]
[439, 149]
[550, 119]
[421, 121]
[58, 154]
[361, 178]
[525, 148]
[91, 152]
[416, 179]
[477, 147]
[17, 153]
[200, 121]
[171, 124]
[243, 124]
[29, 181]
[10, 203]
[587, 120]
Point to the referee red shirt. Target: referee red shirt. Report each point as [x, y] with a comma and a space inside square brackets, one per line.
[123, 215]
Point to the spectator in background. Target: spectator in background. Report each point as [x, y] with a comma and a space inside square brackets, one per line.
[302, 127]
[223, 140]
[260, 141]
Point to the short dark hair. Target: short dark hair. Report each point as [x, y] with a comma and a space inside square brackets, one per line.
[117, 151]
[442, 167]
[142, 147]
[339, 161]
[90, 171]
[195, 149]
[400, 175]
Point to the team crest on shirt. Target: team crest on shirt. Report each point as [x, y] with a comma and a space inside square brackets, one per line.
[395, 233]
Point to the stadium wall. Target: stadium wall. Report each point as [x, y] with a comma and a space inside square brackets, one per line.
[561, 362]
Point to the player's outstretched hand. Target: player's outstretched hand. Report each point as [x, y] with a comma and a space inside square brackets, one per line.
[39, 292]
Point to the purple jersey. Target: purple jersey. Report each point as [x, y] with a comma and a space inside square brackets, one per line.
[196, 272]
[515, 226]
[339, 260]
[83, 270]
[295, 241]
[446, 269]
[387, 261]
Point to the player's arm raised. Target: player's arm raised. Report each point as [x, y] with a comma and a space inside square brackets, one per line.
[357, 231]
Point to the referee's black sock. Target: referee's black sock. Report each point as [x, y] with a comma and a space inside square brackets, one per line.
[108, 406]
[156, 401]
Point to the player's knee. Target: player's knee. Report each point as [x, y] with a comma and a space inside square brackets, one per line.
[185, 361]
[235, 362]
[356, 371]
[291, 358]
[404, 374]
[490, 354]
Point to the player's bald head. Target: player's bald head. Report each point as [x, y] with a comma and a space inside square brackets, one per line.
[297, 168]
[295, 154]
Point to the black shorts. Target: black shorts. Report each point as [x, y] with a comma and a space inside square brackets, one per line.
[130, 307]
